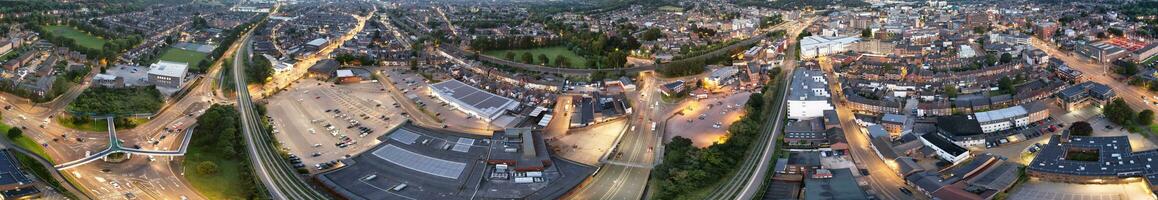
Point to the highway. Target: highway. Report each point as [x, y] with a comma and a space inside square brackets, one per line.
[279, 178]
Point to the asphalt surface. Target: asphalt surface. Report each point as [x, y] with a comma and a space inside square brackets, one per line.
[625, 176]
[275, 173]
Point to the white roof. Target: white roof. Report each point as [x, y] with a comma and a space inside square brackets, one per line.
[824, 40]
[105, 77]
[345, 73]
[317, 42]
[1000, 114]
[169, 68]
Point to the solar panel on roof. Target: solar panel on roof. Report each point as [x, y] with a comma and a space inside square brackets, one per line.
[419, 162]
[404, 136]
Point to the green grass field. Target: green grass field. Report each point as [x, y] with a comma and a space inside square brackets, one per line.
[83, 39]
[551, 52]
[181, 55]
[226, 184]
[25, 143]
[95, 125]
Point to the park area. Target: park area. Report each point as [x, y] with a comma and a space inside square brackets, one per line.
[83, 39]
[181, 55]
[216, 164]
[574, 60]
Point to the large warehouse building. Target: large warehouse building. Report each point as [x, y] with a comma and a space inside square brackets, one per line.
[474, 101]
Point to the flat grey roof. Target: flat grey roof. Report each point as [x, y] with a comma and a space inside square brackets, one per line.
[475, 99]
[804, 81]
[419, 162]
[404, 136]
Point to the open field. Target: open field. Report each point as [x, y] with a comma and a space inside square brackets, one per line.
[551, 53]
[181, 55]
[83, 39]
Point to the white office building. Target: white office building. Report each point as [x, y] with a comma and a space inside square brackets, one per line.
[808, 96]
[816, 46]
[168, 74]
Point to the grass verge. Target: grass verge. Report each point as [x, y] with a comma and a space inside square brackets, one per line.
[94, 126]
[225, 184]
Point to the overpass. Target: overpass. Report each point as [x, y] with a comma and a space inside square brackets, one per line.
[115, 147]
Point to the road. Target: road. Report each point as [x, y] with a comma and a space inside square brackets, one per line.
[275, 173]
[882, 179]
[625, 176]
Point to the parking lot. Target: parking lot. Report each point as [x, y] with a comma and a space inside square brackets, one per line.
[706, 121]
[1035, 189]
[134, 75]
[320, 122]
[416, 88]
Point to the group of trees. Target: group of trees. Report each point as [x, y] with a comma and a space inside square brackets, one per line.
[218, 136]
[1120, 113]
[117, 101]
[686, 168]
[511, 42]
[351, 59]
[259, 70]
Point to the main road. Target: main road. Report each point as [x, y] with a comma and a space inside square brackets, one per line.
[277, 176]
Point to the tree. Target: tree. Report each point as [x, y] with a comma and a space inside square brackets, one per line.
[1146, 117]
[561, 61]
[1115, 32]
[528, 58]
[15, 133]
[651, 34]
[207, 168]
[510, 55]
[1081, 128]
[543, 60]
[951, 91]
[1006, 58]
[1126, 68]
[1119, 112]
[1005, 85]
[866, 33]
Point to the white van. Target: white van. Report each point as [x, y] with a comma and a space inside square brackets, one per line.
[400, 187]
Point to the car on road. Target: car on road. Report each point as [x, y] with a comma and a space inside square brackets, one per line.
[906, 191]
